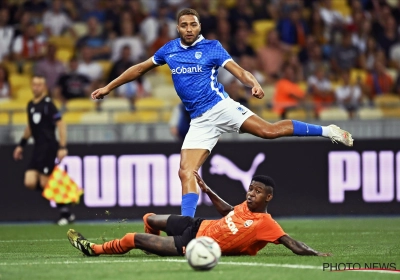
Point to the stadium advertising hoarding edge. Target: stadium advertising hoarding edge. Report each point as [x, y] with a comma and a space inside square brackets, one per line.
[127, 180]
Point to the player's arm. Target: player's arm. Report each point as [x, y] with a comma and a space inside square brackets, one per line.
[300, 248]
[62, 139]
[20, 148]
[222, 206]
[246, 78]
[130, 74]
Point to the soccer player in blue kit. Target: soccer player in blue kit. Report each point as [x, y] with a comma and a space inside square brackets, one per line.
[194, 63]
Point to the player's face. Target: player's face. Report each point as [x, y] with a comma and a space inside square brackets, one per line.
[38, 86]
[189, 29]
[257, 197]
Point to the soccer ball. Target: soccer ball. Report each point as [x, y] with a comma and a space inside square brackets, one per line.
[203, 253]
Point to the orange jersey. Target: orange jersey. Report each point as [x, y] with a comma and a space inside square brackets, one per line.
[242, 232]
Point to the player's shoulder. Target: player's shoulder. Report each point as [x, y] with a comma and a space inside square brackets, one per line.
[213, 43]
[171, 44]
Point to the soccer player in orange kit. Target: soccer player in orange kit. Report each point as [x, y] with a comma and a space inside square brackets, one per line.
[244, 229]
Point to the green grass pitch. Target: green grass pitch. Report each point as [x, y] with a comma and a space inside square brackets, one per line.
[42, 251]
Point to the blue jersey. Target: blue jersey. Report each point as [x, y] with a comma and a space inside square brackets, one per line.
[194, 71]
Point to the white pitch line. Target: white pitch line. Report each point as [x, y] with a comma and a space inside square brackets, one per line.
[293, 266]
[44, 240]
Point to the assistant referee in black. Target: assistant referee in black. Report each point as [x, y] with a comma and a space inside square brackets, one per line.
[43, 120]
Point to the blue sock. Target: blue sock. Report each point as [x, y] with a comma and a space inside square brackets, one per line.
[306, 129]
[189, 204]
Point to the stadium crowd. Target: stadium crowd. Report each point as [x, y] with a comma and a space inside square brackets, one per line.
[308, 54]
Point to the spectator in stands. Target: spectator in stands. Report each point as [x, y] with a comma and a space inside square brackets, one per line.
[294, 62]
[316, 60]
[49, 67]
[262, 9]
[318, 28]
[28, 46]
[36, 8]
[180, 122]
[271, 56]
[94, 8]
[72, 84]
[293, 29]
[389, 36]
[394, 55]
[333, 19]
[90, 68]
[240, 46]
[306, 51]
[397, 85]
[369, 56]
[208, 21]
[22, 24]
[114, 10]
[360, 37]
[71, 10]
[378, 81]
[129, 38]
[348, 96]
[320, 89]
[240, 16]
[122, 64]
[5, 90]
[288, 95]
[6, 34]
[55, 21]
[136, 11]
[150, 26]
[94, 40]
[162, 39]
[224, 33]
[345, 56]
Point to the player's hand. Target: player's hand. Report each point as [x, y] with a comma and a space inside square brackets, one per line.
[203, 186]
[18, 153]
[320, 254]
[62, 153]
[257, 92]
[100, 93]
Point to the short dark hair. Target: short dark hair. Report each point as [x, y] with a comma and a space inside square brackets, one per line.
[38, 76]
[187, 11]
[266, 180]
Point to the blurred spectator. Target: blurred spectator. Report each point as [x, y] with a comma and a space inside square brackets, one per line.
[288, 95]
[240, 16]
[318, 27]
[180, 122]
[397, 85]
[306, 51]
[348, 96]
[360, 37]
[72, 84]
[114, 9]
[55, 21]
[36, 8]
[93, 8]
[294, 62]
[127, 38]
[271, 56]
[293, 30]
[123, 63]
[389, 36]
[135, 8]
[369, 56]
[49, 67]
[332, 18]
[5, 90]
[237, 92]
[71, 10]
[150, 6]
[316, 61]
[262, 9]
[378, 81]
[95, 40]
[345, 56]
[23, 23]
[90, 68]
[150, 26]
[208, 21]
[6, 34]
[240, 46]
[28, 46]
[320, 89]
[224, 33]
[394, 55]
[249, 64]
[162, 39]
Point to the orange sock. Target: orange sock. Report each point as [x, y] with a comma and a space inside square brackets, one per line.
[147, 227]
[116, 246]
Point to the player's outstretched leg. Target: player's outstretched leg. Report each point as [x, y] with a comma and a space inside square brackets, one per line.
[81, 243]
[154, 224]
[261, 128]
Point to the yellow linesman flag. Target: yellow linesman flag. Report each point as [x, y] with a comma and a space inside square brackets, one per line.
[61, 188]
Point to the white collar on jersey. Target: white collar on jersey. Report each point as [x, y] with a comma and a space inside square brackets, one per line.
[201, 38]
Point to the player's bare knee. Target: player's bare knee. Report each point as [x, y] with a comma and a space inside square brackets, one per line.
[185, 174]
[269, 133]
[30, 185]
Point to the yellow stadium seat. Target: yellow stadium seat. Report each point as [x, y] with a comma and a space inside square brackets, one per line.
[333, 113]
[64, 55]
[4, 118]
[137, 117]
[261, 29]
[297, 114]
[150, 103]
[115, 104]
[106, 65]
[391, 112]
[62, 42]
[23, 94]
[392, 73]
[72, 117]
[19, 118]
[14, 105]
[96, 118]
[80, 29]
[302, 86]
[166, 72]
[370, 113]
[81, 104]
[229, 3]
[356, 74]
[270, 115]
[387, 100]
[19, 81]
[166, 92]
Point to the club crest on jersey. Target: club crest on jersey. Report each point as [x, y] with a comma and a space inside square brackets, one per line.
[36, 117]
[248, 223]
[198, 55]
[32, 110]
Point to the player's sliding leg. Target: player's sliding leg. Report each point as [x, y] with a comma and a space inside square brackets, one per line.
[162, 246]
[191, 159]
[153, 223]
[261, 128]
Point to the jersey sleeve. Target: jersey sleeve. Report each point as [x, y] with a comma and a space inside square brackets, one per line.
[159, 57]
[53, 112]
[269, 230]
[221, 56]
